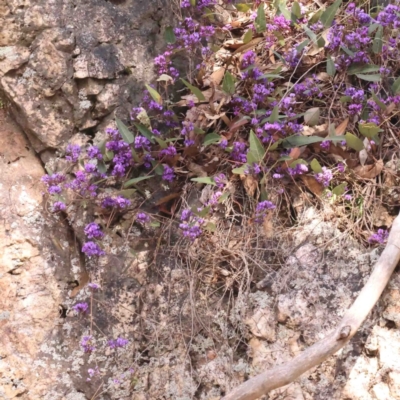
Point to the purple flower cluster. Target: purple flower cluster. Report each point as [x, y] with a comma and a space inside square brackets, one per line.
[92, 249]
[168, 174]
[53, 182]
[142, 218]
[357, 98]
[220, 180]
[87, 344]
[122, 159]
[81, 308]
[58, 206]
[191, 225]
[298, 169]
[93, 231]
[380, 237]
[94, 286]
[170, 151]
[307, 89]
[82, 185]
[262, 209]
[324, 177]
[239, 152]
[72, 153]
[117, 343]
[115, 202]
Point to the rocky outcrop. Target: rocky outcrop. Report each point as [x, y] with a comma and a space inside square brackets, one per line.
[35, 254]
[65, 65]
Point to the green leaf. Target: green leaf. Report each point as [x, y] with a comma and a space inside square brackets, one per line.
[126, 134]
[377, 43]
[102, 167]
[204, 179]
[370, 130]
[203, 213]
[347, 51]
[316, 166]
[302, 45]
[134, 155]
[373, 27]
[329, 14]
[396, 86]
[381, 105]
[330, 67]
[154, 94]
[369, 78]
[284, 11]
[316, 17]
[242, 7]
[284, 158]
[311, 116]
[169, 35]
[298, 161]
[128, 193]
[296, 11]
[155, 224]
[224, 196]
[297, 141]
[248, 36]
[275, 114]
[146, 132]
[239, 171]
[310, 34]
[340, 189]
[193, 3]
[164, 78]
[354, 142]
[362, 68]
[256, 148]
[260, 21]
[134, 181]
[211, 138]
[228, 84]
[196, 91]
[163, 144]
[211, 227]
[345, 99]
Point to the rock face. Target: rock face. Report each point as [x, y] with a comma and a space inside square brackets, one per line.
[65, 65]
[33, 271]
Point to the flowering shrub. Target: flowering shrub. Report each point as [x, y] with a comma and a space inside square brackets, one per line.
[258, 112]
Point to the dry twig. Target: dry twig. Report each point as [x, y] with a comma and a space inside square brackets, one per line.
[320, 351]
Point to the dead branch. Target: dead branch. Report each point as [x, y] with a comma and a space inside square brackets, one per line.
[286, 373]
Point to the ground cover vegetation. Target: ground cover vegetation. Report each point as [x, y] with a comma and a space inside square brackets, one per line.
[275, 99]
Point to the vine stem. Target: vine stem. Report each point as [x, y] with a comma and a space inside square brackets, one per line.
[284, 374]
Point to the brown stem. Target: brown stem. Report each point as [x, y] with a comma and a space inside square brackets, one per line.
[286, 373]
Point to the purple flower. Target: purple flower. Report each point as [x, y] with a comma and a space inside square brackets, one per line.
[59, 206]
[94, 152]
[118, 202]
[142, 142]
[248, 59]
[87, 344]
[299, 169]
[93, 230]
[54, 189]
[220, 180]
[379, 237]
[92, 249]
[143, 218]
[168, 174]
[81, 184]
[54, 179]
[170, 151]
[90, 168]
[261, 210]
[324, 177]
[72, 152]
[94, 286]
[80, 308]
[347, 197]
[186, 214]
[341, 167]
[325, 144]
[239, 152]
[118, 343]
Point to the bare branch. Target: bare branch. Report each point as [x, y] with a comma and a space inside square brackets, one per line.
[286, 373]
